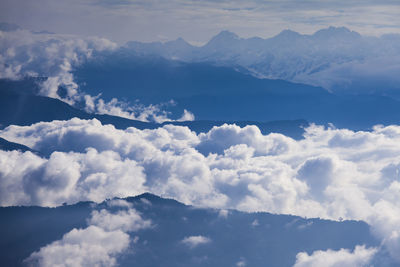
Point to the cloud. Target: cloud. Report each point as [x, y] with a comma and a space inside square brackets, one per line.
[194, 241]
[331, 173]
[127, 221]
[97, 245]
[186, 116]
[91, 246]
[153, 112]
[67, 177]
[151, 20]
[27, 54]
[361, 256]
[225, 137]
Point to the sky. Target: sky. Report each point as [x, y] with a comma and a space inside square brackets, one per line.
[197, 21]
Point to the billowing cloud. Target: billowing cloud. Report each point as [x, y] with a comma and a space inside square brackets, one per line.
[331, 173]
[196, 240]
[360, 257]
[91, 246]
[97, 245]
[67, 177]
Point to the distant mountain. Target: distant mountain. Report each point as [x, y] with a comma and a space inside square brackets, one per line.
[335, 58]
[124, 75]
[212, 93]
[20, 108]
[224, 94]
[259, 239]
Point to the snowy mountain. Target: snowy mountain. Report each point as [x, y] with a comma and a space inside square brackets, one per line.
[335, 58]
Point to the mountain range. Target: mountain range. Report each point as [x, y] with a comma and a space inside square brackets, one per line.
[335, 58]
[222, 93]
[19, 105]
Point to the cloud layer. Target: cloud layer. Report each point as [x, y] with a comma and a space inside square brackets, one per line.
[331, 173]
[153, 20]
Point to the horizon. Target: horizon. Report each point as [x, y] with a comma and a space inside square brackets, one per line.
[268, 37]
[195, 21]
[198, 44]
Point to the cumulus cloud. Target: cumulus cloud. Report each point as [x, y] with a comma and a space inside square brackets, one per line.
[196, 240]
[97, 245]
[67, 177]
[91, 246]
[331, 173]
[361, 256]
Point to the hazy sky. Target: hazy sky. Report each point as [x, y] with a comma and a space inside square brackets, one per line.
[198, 20]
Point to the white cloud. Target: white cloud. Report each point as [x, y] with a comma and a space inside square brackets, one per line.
[67, 177]
[121, 203]
[137, 111]
[196, 240]
[97, 245]
[360, 257]
[224, 137]
[91, 246]
[48, 55]
[127, 221]
[331, 173]
[186, 116]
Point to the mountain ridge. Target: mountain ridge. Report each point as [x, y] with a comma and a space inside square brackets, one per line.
[274, 235]
[325, 58]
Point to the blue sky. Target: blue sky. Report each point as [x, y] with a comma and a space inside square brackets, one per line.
[196, 21]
